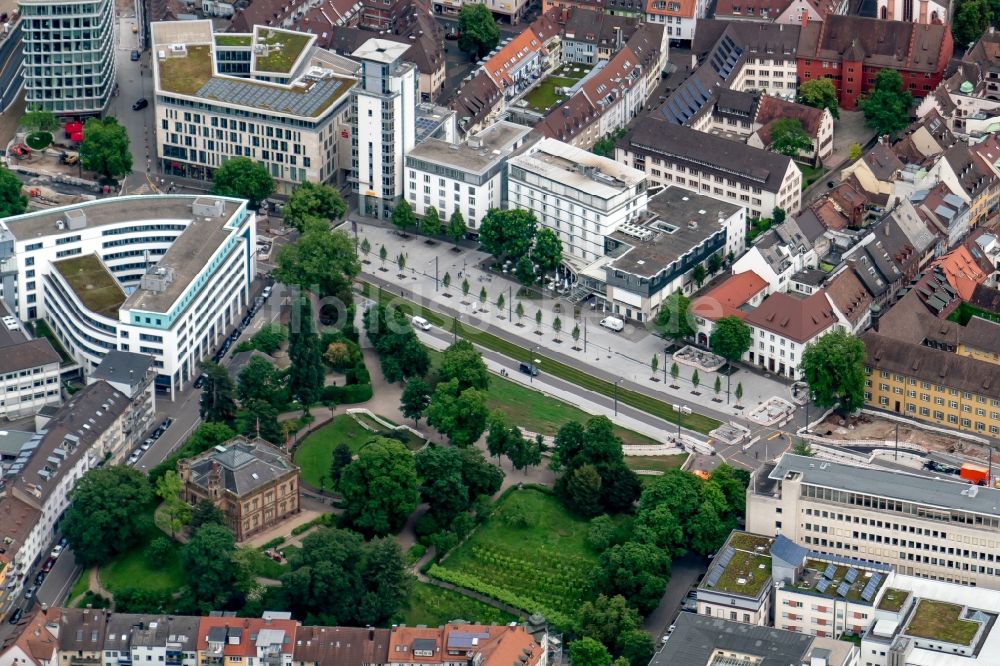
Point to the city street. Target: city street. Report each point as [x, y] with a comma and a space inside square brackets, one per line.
[684, 572]
[135, 82]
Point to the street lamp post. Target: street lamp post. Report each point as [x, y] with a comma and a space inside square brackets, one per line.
[616, 395]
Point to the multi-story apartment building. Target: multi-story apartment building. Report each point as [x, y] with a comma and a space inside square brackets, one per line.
[132, 639]
[465, 644]
[383, 111]
[922, 526]
[29, 370]
[229, 641]
[468, 177]
[133, 376]
[581, 196]
[78, 437]
[69, 55]
[187, 263]
[680, 16]
[671, 154]
[784, 324]
[251, 482]
[271, 96]
[747, 56]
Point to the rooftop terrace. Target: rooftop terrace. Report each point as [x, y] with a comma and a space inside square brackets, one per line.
[893, 599]
[837, 582]
[941, 621]
[233, 40]
[742, 567]
[282, 47]
[96, 288]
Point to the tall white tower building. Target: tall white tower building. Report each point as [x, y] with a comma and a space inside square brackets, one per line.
[69, 55]
[383, 107]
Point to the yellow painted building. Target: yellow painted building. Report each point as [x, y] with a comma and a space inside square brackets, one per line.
[946, 388]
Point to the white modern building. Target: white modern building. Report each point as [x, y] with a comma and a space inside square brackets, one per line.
[271, 96]
[29, 370]
[469, 177]
[69, 55]
[921, 526]
[649, 260]
[383, 109]
[581, 196]
[132, 375]
[165, 276]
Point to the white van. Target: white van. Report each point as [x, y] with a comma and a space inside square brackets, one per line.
[613, 323]
[421, 323]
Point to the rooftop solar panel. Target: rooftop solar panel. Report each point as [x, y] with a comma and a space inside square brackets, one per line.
[831, 569]
[852, 575]
[822, 585]
[726, 557]
[713, 577]
[869, 590]
[247, 93]
[843, 589]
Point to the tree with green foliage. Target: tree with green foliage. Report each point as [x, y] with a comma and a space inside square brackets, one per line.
[321, 261]
[589, 652]
[366, 246]
[217, 401]
[168, 489]
[240, 177]
[498, 435]
[698, 274]
[819, 94]
[675, 371]
[483, 296]
[341, 458]
[657, 526]
[524, 271]
[305, 375]
[100, 521]
[441, 486]
[12, 200]
[637, 571]
[695, 379]
[456, 227]
[717, 387]
[547, 251]
[380, 487]
[582, 491]
[575, 334]
[522, 451]
[401, 262]
[38, 120]
[458, 414]
[834, 368]
[500, 303]
[478, 31]
[210, 552]
[507, 233]
[160, 551]
[538, 319]
[105, 149]
[415, 398]
[803, 448]
[887, 104]
[260, 419]
[313, 200]
[855, 152]
[606, 619]
[338, 579]
[382, 254]
[403, 216]
[557, 326]
[258, 380]
[463, 363]
[789, 137]
[519, 310]
[636, 646]
[446, 281]
[654, 363]
[605, 146]
[714, 263]
[971, 18]
[430, 225]
[674, 319]
[730, 339]
[738, 392]
[206, 512]
[401, 354]
[777, 216]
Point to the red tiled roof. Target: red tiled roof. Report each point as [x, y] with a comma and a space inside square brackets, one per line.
[516, 50]
[726, 299]
[682, 8]
[962, 271]
[247, 626]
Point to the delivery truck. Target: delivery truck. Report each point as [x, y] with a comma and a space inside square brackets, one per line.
[977, 474]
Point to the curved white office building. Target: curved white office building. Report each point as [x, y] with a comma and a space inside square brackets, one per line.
[161, 275]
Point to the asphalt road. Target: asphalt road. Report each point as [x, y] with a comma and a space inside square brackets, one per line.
[684, 573]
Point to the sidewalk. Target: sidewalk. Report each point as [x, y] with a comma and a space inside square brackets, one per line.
[630, 352]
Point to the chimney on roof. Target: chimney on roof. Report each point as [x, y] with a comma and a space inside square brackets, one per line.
[804, 16]
[876, 313]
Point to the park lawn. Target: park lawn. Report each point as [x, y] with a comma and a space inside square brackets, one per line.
[657, 463]
[642, 401]
[810, 174]
[314, 454]
[540, 565]
[133, 569]
[413, 442]
[263, 566]
[534, 411]
[81, 585]
[543, 97]
[433, 606]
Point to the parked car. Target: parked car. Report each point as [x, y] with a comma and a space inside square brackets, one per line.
[134, 458]
[613, 324]
[452, 34]
[267, 292]
[421, 323]
[167, 422]
[529, 369]
[140, 104]
[39, 577]
[16, 615]
[30, 592]
[135, 56]
[199, 382]
[47, 567]
[56, 552]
